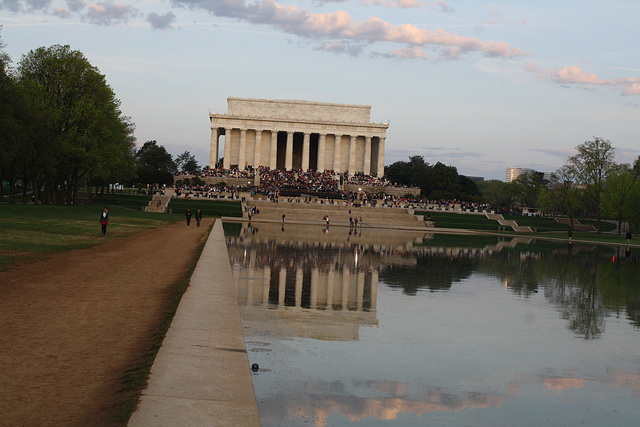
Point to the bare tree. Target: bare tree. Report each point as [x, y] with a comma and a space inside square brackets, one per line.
[591, 166]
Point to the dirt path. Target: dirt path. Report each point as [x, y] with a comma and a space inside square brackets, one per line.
[70, 325]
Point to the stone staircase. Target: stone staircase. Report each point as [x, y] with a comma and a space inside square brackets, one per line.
[158, 203]
[509, 223]
[576, 224]
[313, 213]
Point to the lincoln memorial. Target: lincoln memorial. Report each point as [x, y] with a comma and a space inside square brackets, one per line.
[285, 134]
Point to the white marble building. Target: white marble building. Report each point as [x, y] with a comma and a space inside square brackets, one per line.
[287, 134]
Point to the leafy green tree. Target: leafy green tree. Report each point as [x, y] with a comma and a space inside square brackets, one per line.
[155, 164]
[636, 167]
[591, 166]
[632, 205]
[10, 126]
[438, 181]
[527, 187]
[187, 162]
[82, 115]
[562, 196]
[618, 190]
[496, 193]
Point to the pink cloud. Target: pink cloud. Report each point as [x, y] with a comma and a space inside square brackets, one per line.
[574, 75]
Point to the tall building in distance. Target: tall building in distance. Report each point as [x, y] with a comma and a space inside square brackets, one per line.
[513, 173]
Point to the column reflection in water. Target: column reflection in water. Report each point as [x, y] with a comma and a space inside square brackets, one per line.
[326, 291]
[467, 331]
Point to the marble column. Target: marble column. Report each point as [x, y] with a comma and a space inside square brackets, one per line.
[321, 147]
[336, 154]
[273, 153]
[360, 298]
[315, 277]
[367, 155]
[346, 282]
[374, 290]
[305, 151]
[282, 286]
[266, 282]
[288, 161]
[380, 169]
[242, 156]
[227, 148]
[331, 280]
[257, 157]
[299, 278]
[352, 155]
[213, 152]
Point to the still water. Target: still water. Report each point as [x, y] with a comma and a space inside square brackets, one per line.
[366, 328]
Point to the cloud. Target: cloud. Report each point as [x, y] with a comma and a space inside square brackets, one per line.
[410, 4]
[161, 22]
[413, 52]
[61, 12]
[574, 75]
[23, 6]
[342, 48]
[107, 13]
[395, 4]
[339, 26]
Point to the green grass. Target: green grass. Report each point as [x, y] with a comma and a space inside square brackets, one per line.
[131, 201]
[210, 208]
[29, 231]
[455, 220]
[541, 224]
[604, 226]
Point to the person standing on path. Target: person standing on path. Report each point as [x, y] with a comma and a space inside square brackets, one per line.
[188, 215]
[104, 220]
[198, 217]
[628, 237]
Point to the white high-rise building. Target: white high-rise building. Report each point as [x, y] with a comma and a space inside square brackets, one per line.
[513, 173]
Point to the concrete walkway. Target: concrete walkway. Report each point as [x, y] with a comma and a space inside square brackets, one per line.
[201, 375]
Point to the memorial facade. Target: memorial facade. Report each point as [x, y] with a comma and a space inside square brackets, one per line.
[287, 134]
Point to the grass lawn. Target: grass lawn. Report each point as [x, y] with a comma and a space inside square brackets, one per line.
[27, 231]
[542, 224]
[454, 220]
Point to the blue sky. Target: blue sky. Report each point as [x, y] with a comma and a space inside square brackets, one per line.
[472, 84]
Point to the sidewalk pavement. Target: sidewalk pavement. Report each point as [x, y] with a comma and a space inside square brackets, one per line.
[201, 375]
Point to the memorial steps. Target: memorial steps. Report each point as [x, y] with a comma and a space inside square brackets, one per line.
[299, 211]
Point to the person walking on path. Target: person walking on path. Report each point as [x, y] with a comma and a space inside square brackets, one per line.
[628, 237]
[198, 217]
[104, 220]
[188, 215]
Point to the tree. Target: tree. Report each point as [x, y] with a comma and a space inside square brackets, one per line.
[636, 167]
[187, 162]
[591, 166]
[496, 193]
[81, 117]
[562, 196]
[617, 198]
[527, 187]
[438, 181]
[155, 164]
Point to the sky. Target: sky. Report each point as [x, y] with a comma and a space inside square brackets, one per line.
[481, 86]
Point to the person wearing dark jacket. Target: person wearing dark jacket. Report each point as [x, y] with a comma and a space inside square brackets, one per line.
[104, 220]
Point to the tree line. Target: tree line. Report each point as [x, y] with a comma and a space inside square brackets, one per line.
[590, 184]
[62, 131]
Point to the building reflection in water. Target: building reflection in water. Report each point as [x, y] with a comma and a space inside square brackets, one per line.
[325, 291]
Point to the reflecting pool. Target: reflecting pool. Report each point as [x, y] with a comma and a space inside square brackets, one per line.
[370, 327]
